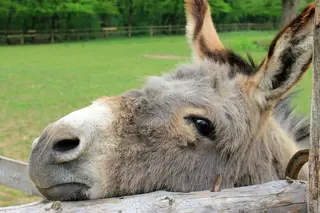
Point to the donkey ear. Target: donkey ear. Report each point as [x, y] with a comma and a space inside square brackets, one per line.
[288, 58]
[201, 33]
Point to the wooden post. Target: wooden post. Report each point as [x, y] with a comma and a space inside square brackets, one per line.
[105, 33]
[129, 31]
[151, 30]
[90, 34]
[21, 38]
[313, 189]
[52, 36]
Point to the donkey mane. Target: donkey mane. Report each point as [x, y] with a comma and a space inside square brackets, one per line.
[295, 124]
[237, 62]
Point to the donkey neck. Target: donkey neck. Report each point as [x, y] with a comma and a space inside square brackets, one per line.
[264, 159]
[282, 146]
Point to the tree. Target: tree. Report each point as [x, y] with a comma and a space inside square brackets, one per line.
[66, 14]
[66, 8]
[9, 9]
[289, 11]
[104, 9]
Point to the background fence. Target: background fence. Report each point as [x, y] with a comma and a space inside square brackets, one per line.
[36, 37]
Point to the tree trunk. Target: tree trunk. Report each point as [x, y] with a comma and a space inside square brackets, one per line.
[130, 18]
[68, 26]
[54, 20]
[289, 11]
[33, 22]
[273, 197]
[68, 19]
[8, 25]
[314, 153]
[103, 20]
[9, 20]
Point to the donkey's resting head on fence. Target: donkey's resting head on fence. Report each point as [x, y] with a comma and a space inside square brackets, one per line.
[218, 115]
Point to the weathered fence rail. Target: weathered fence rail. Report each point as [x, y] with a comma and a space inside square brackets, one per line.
[273, 197]
[14, 174]
[47, 36]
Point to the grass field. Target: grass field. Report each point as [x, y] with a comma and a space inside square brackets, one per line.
[41, 83]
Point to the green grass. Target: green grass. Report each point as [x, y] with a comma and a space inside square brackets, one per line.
[41, 83]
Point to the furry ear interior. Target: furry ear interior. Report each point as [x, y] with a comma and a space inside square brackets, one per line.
[289, 56]
[201, 33]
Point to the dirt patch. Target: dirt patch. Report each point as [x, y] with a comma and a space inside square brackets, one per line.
[166, 56]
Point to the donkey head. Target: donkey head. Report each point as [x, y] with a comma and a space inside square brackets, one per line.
[182, 129]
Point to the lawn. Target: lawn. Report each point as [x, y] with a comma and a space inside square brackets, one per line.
[41, 83]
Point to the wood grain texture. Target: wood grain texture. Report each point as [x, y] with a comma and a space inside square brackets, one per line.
[276, 196]
[14, 174]
[313, 189]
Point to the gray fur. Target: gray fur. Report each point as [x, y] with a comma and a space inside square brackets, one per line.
[141, 141]
[151, 154]
[295, 124]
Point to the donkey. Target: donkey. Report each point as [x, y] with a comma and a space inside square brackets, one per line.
[219, 115]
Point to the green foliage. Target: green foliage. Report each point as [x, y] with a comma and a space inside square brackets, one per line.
[220, 6]
[5, 7]
[106, 7]
[303, 3]
[70, 6]
[27, 14]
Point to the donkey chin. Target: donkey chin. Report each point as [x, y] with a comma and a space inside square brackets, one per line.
[66, 192]
[63, 181]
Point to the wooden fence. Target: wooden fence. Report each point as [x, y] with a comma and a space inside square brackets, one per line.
[42, 36]
[274, 196]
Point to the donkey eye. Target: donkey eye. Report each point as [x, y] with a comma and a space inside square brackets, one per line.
[203, 125]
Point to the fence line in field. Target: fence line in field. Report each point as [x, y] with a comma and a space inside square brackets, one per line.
[54, 36]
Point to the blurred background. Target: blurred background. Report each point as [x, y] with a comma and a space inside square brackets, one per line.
[57, 56]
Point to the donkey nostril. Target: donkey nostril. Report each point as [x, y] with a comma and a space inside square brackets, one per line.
[66, 145]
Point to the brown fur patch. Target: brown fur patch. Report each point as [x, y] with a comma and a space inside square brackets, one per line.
[295, 25]
[197, 10]
[275, 84]
[304, 69]
[200, 26]
[264, 118]
[209, 33]
[236, 62]
[123, 110]
[178, 129]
